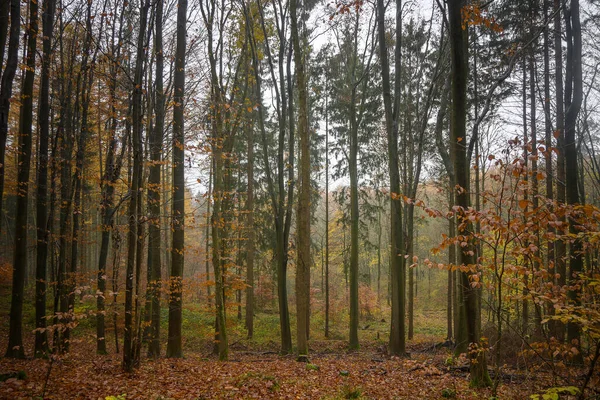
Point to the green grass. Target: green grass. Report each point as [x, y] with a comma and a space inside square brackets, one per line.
[198, 323]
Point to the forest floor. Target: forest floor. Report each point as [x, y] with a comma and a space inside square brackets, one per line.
[333, 373]
[255, 369]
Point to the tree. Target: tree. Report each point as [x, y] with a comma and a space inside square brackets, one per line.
[112, 171]
[391, 107]
[154, 198]
[15, 335]
[459, 76]
[250, 244]
[303, 224]
[573, 100]
[8, 75]
[281, 195]
[134, 236]
[178, 213]
[41, 336]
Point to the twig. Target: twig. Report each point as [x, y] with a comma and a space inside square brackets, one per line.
[590, 372]
[47, 376]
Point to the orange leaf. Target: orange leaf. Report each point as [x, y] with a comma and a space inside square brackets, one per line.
[523, 204]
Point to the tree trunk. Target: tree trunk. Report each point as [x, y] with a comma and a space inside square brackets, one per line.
[397, 264]
[327, 207]
[178, 214]
[459, 76]
[560, 246]
[548, 157]
[41, 336]
[15, 336]
[575, 86]
[303, 223]
[154, 197]
[6, 82]
[250, 246]
[133, 245]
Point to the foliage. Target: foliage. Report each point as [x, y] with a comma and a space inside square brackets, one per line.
[554, 393]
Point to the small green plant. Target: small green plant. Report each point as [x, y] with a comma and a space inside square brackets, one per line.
[312, 367]
[449, 393]
[554, 393]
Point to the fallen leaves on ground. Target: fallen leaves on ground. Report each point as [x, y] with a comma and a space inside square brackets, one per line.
[248, 375]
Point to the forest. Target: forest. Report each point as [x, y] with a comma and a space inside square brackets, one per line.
[310, 199]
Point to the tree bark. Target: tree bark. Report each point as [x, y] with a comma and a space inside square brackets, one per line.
[6, 81]
[15, 335]
[178, 214]
[41, 336]
[459, 76]
[250, 245]
[303, 223]
[575, 86]
[391, 107]
[154, 188]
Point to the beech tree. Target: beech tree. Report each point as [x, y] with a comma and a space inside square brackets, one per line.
[178, 214]
[15, 336]
[459, 76]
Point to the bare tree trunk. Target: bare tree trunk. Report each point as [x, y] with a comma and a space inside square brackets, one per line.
[177, 250]
[560, 246]
[459, 77]
[303, 223]
[8, 75]
[129, 341]
[154, 188]
[15, 335]
[391, 107]
[575, 88]
[41, 336]
[327, 207]
[250, 245]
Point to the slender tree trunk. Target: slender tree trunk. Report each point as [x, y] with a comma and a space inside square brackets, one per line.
[459, 76]
[548, 157]
[575, 86]
[112, 172]
[525, 279]
[178, 214]
[282, 214]
[8, 75]
[133, 241]
[41, 336]
[15, 336]
[207, 232]
[154, 188]
[560, 246]
[391, 107]
[250, 245]
[534, 184]
[303, 223]
[327, 207]
[354, 219]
